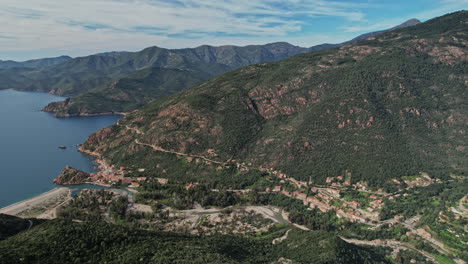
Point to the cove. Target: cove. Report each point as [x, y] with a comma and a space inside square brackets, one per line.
[29, 155]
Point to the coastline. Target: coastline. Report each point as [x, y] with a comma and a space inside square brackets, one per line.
[39, 203]
[87, 115]
[54, 113]
[88, 152]
[44, 199]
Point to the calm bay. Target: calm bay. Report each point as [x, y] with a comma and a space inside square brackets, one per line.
[29, 155]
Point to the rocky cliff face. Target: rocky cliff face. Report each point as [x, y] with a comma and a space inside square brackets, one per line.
[70, 176]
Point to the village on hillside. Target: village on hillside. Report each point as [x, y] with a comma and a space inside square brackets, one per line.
[334, 196]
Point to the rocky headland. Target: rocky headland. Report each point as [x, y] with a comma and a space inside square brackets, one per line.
[71, 176]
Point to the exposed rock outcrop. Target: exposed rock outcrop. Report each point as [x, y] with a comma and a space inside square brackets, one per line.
[56, 107]
[69, 108]
[70, 176]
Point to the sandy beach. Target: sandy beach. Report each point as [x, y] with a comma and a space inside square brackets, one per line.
[39, 204]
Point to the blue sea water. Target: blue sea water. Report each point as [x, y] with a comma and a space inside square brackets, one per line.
[29, 155]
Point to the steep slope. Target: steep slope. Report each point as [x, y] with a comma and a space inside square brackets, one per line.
[85, 73]
[39, 63]
[60, 241]
[11, 225]
[408, 23]
[130, 92]
[90, 77]
[383, 108]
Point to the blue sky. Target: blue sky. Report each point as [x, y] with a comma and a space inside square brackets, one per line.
[44, 28]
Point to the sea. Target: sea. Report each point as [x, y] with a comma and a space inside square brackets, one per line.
[30, 157]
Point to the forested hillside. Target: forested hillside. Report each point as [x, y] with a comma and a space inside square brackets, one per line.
[38, 63]
[63, 241]
[99, 83]
[386, 107]
[94, 77]
[130, 92]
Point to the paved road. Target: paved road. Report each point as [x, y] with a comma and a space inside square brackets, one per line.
[30, 224]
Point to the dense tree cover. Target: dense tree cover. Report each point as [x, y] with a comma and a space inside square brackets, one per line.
[300, 214]
[131, 91]
[118, 207]
[179, 197]
[320, 247]
[394, 111]
[86, 206]
[123, 81]
[61, 241]
[33, 64]
[426, 201]
[405, 256]
[385, 231]
[177, 170]
[11, 225]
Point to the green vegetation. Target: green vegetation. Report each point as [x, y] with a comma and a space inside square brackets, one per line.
[38, 63]
[433, 204]
[131, 91]
[444, 259]
[394, 111]
[405, 256]
[177, 196]
[10, 225]
[123, 81]
[421, 200]
[167, 165]
[320, 247]
[302, 215]
[383, 232]
[63, 241]
[86, 206]
[353, 195]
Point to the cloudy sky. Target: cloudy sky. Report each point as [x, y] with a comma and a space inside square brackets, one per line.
[44, 28]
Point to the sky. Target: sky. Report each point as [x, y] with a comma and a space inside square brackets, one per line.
[31, 29]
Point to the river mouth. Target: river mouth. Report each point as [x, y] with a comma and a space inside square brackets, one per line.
[30, 157]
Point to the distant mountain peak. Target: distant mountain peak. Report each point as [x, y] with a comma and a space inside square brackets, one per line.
[37, 63]
[408, 23]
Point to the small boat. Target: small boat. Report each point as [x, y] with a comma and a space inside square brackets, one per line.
[62, 147]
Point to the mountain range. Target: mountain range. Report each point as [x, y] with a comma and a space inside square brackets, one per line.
[123, 81]
[386, 107]
[349, 153]
[39, 63]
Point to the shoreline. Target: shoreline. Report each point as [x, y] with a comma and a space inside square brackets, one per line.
[54, 113]
[31, 198]
[36, 202]
[43, 201]
[86, 115]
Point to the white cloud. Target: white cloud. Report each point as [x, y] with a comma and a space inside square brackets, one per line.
[443, 7]
[82, 27]
[96, 25]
